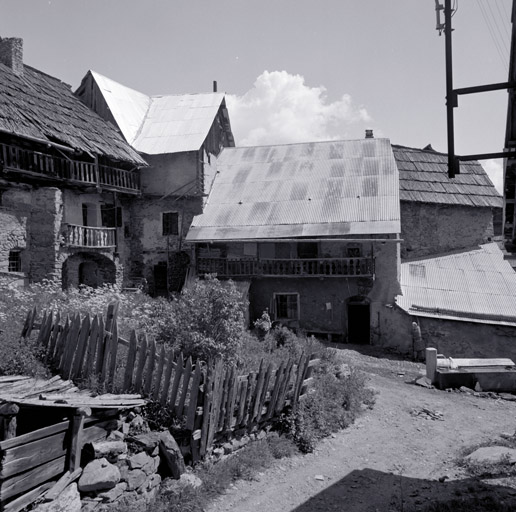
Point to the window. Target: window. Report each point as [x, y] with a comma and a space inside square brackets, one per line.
[286, 306]
[111, 216]
[307, 250]
[15, 261]
[353, 251]
[170, 223]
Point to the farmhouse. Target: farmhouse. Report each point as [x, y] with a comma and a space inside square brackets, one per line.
[64, 176]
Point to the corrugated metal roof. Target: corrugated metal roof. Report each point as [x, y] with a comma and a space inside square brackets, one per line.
[424, 178]
[160, 124]
[314, 189]
[473, 286]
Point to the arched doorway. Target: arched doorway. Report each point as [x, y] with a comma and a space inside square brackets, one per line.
[88, 274]
[88, 269]
[359, 320]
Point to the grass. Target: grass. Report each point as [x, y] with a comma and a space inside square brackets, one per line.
[483, 504]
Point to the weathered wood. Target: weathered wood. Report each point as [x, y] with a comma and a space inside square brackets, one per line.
[108, 339]
[159, 374]
[71, 346]
[61, 342]
[111, 313]
[29, 455]
[307, 379]
[241, 400]
[76, 441]
[208, 403]
[46, 327]
[27, 328]
[265, 391]
[142, 356]
[101, 347]
[195, 442]
[89, 358]
[112, 356]
[8, 412]
[184, 391]
[34, 436]
[177, 379]
[56, 489]
[275, 390]
[20, 483]
[150, 368]
[255, 403]
[98, 431]
[216, 402]
[194, 393]
[41, 330]
[299, 379]
[280, 403]
[232, 396]
[81, 348]
[26, 499]
[56, 329]
[169, 366]
[129, 363]
[224, 400]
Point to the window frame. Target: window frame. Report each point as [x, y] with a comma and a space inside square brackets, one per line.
[170, 228]
[276, 296]
[17, 262]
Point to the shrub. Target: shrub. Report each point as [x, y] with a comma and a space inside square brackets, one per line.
[206, 321]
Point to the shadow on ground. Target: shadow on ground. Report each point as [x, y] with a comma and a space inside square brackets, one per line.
[369, 490]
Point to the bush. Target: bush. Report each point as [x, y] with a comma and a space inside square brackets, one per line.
[206, 321]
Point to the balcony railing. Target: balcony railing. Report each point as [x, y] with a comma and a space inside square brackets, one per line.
[85, 236]
[54, 167]
[317, 267]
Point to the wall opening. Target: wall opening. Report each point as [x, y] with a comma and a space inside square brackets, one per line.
[161, 280]
[88, 274]
[359, 321]
[88, 269]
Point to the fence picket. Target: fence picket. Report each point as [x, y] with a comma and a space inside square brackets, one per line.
[112, 356]
[108, 339]
[224, 400]
[303, 360]
[253, 409]
[56, 329]
[69, 351]
[186, 381]
[242, 390]
[216, 402]
[150, 367]
[175, 384]
[275, 390]
[168, 374]
[159, 373]
[75, 368]
[129, 364]
[61, 343]
[284, 387]
[142, 356]
[232, 395]
[194, 393]
[208, 403]
[89, 356]
[101, 346]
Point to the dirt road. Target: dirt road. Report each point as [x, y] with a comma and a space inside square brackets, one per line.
[391, 459]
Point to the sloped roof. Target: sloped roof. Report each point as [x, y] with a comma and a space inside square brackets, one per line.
[37, 105]
[473, 286]
[314, 189]
[160, 124]
[424, 178]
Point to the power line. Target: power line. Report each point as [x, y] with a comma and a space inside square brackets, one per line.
[495, 24]
[491, 32]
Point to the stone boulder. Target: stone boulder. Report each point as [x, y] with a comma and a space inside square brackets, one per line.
[493, 454]
[99, 475]
[68, 501]
[171, 455]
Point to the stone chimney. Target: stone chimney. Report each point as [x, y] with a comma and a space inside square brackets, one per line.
[369, 134]
[11, 53]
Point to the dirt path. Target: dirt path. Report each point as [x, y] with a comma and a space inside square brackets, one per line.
[390, 459]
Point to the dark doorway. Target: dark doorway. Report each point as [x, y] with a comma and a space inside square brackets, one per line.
[161, 280]
[359, 328]
[88, 274]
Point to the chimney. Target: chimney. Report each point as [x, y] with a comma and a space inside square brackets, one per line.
[369, 134]
[11, 53]
[214, 85]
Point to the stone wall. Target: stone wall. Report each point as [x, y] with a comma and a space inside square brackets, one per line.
[428, 229]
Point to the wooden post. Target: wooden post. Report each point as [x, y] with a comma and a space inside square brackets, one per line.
[8, 412]
[431, 363]
[77, 424]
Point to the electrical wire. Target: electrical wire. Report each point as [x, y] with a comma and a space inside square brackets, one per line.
[493, 37]
[504, 19]
[495, 24]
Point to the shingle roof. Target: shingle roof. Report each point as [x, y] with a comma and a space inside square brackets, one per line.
[315, 189]
[160, 124]
[424, 178]
[473, 286]
[37, 105]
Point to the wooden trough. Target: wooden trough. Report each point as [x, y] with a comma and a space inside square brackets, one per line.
[43, 426]
[496, 374]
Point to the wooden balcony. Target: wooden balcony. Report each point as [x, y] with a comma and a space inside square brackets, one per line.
[318, 267]
[13, 158]
[86, 236]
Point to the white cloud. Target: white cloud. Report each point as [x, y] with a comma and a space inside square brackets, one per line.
[494, 169]
[281, 108]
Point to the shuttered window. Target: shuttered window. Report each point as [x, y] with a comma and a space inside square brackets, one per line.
[170, 223]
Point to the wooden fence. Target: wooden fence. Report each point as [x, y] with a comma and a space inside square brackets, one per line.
[212, 400]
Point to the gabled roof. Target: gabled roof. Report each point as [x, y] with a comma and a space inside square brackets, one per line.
[160, 124]
[471, 286]
[37, 105]
[314, 189]
[424, 178]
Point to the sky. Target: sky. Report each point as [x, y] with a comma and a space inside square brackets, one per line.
[293, 70]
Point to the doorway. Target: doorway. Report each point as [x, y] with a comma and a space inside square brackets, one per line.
[88, 274]
[161, 280]
[359, 326]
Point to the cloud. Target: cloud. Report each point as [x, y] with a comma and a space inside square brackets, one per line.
[494, 169]
[280, 108]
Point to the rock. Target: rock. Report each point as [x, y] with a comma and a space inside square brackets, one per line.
[478, 388]
[99, 475]
[109, 450]
[319, 477]
[187, 479]
[139, 461]
[493, 454]
[113, 494]
[508, 396]
[138, 426]
[147, 441]
[171, 455]
[218, 452]
[424, 382]
[228, 448]
[135, 479]
[68, 501]
[343, 371]
[464, 389]
[116, 435]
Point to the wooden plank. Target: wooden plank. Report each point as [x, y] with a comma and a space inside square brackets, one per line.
[184, 391]
[129, 363]
[112, 356]
[76, 441]
[27, 330]
[97, 432]
[142, 356]
[111, 313]
[57, 488]
[301, 369]
[101, 347]
[81, 348]
[195, 441]
[159, 373]
[150, 368]
[224, 399]
[26, 499]
[177, 379]
[265, 391]
[26, 481]
[251, 381]
[71, 346]
[280, 375]
[284, 387]
[242, 390]
[89, 357]
[208, 393]
[194, 393]
[105, 357]
[56, 329]
[61, 343]
[255, 403]
[25, 327]
[475, 362]
[45, 328]
[232, 394]
[34, 436]
[29, 455]
[216, 402]
[169, 366]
